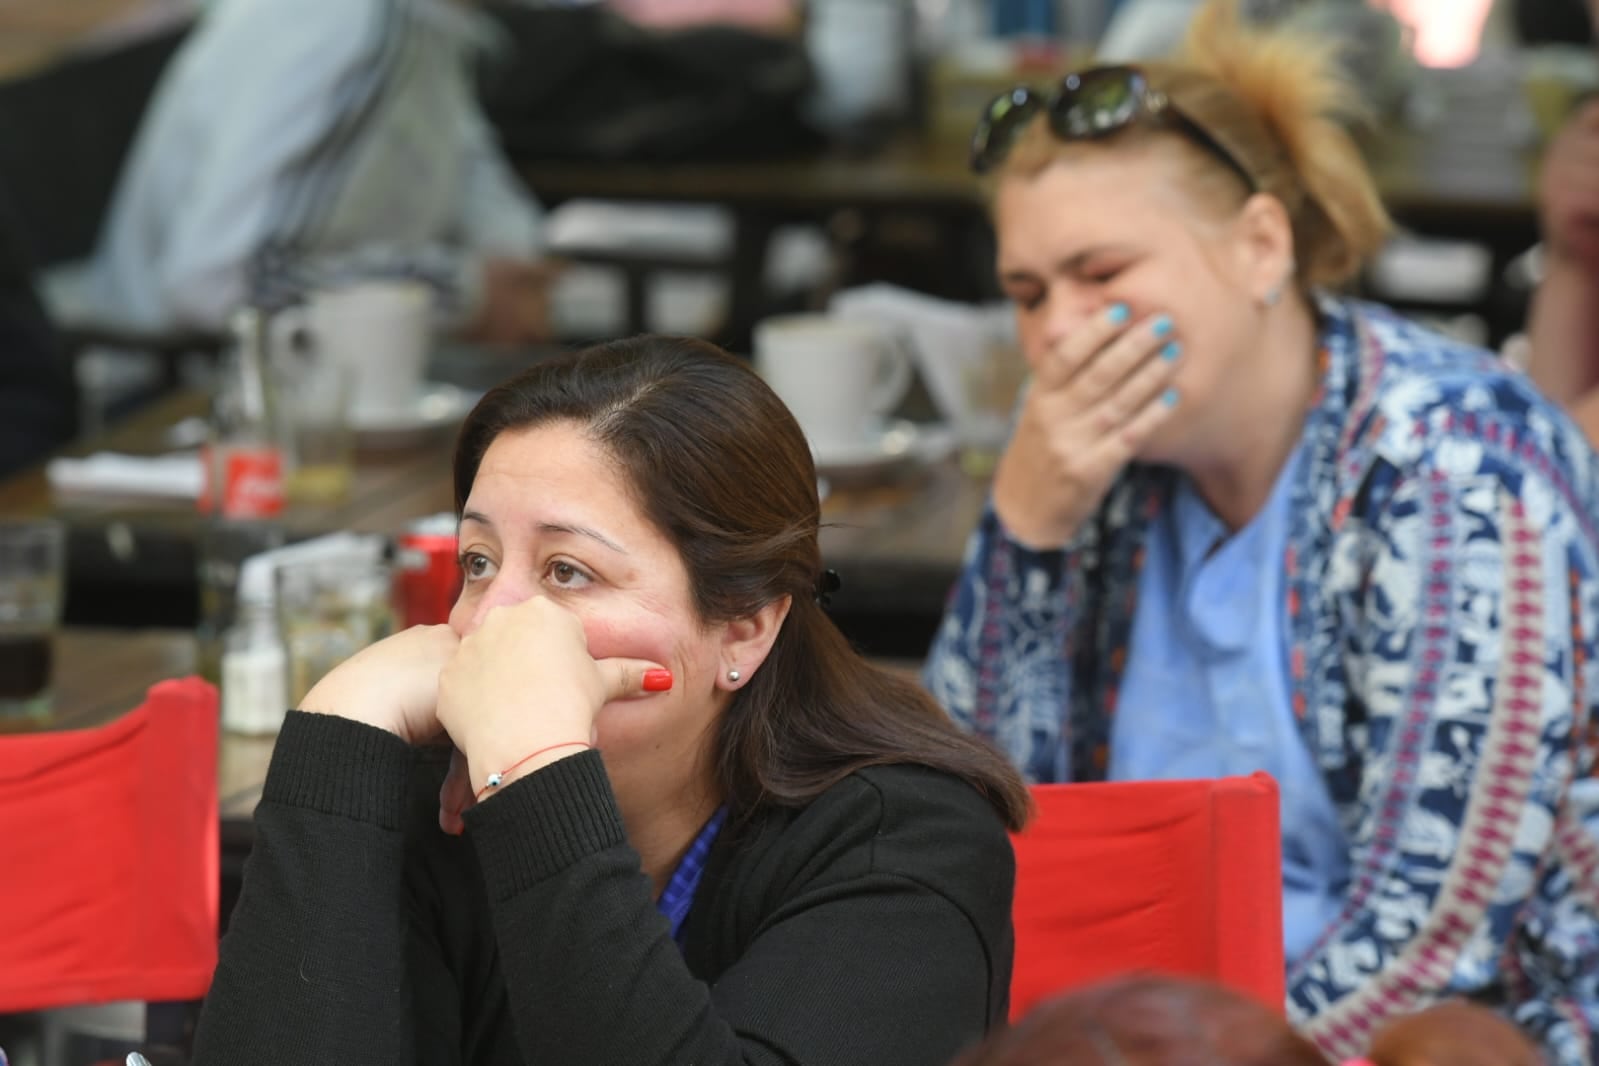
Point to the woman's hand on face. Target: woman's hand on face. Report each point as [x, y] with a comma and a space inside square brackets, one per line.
[393, 685]
[1569, 189]
[1453, 1034]
[525, 681]
[1095, 400]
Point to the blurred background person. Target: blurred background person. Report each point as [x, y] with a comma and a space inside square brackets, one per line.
[38, 406]
[1564, 326]
[296, 142]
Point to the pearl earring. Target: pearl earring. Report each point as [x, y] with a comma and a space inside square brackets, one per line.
[734, 675]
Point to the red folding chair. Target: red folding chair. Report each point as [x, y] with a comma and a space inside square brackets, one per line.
[109, 859]
[1174, 877]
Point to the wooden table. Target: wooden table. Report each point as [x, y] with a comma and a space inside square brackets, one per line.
[1474, 176]
[897, 546]
[1462, 178]
[390, 486]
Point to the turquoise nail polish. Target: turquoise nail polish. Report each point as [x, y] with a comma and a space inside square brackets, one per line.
[1169, 398]
[1117, 314]
[1171, 351]
[1162, 325]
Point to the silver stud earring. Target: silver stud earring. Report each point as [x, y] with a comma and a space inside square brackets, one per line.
[734, 675]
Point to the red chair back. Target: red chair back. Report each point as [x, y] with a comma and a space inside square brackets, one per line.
[109, 857]
[1174, 877]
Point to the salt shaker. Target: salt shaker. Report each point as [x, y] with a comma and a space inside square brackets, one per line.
[255, 672]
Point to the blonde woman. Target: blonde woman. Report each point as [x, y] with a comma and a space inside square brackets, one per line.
[1243, 524]
[1564, 326]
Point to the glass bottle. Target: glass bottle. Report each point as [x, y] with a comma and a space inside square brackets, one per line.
[243, 495]
[255, 672]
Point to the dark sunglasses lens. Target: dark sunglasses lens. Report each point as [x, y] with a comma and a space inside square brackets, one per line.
[1002, 120]
[1097, 102]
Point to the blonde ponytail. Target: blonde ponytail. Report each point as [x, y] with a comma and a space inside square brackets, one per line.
[1284, 108]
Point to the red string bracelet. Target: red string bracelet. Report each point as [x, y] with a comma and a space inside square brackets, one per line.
[495, 779]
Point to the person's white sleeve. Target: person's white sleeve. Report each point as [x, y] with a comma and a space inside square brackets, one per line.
[499, 216]
[289, 76]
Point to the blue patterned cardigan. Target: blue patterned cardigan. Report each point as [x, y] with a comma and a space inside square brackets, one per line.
[1443, 600]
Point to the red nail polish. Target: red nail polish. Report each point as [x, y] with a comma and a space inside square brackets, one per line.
[657, 680]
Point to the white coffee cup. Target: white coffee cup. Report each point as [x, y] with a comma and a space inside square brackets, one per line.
[381, 330]
[838, 376]
[954, 346]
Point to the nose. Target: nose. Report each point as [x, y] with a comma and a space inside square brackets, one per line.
[504, 590]
[1065, 310]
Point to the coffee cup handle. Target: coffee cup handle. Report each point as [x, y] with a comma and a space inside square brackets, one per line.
[899, 360]
[289, 333]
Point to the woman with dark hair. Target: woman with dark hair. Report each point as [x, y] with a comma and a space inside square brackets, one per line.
[686, 822]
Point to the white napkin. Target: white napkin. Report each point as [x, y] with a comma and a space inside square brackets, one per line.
[178, 476]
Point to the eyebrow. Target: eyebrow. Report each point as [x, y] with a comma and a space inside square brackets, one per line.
[553, 527]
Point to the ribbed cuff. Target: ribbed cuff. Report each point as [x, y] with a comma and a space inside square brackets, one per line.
[336, 766]
[545, 822]
[1046, 557]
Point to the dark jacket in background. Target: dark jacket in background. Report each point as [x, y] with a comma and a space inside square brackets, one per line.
[1552, 21]
[585, 84]
[38, 403]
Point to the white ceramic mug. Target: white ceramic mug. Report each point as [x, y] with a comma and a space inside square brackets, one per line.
[838, 376]
[382, 331]
[956, 348]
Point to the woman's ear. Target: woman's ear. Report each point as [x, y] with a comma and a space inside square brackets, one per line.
[747, 641]
[1265, 242]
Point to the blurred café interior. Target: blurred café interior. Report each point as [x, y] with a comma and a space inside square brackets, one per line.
[239, 331]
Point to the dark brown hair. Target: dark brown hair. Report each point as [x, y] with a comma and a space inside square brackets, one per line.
[1149, 1021]
[719, 465]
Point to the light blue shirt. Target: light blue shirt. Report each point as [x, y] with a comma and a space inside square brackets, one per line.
[1206, 692]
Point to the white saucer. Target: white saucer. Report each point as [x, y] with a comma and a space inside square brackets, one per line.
[883, 450]
[436, 406]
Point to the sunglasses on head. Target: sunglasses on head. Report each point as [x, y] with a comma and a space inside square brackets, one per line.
[1086, 106]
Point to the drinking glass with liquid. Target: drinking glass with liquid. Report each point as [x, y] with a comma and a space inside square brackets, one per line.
[315, 390]
[32, 565]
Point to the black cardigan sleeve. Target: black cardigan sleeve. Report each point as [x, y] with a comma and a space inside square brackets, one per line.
[844, 952]
[324, 960]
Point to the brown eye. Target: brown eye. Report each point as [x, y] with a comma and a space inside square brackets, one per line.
[564, 575]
